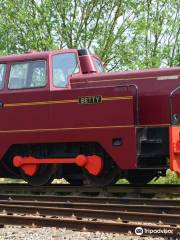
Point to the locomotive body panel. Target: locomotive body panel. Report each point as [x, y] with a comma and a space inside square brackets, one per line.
[118, 118]
[124, 156]
[154, 88]
[56, 116]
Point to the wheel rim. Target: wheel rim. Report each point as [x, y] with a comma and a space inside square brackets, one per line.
[108, 176]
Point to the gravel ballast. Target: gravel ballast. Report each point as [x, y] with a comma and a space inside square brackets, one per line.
[45, 233]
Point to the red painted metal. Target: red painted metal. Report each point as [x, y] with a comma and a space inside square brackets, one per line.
[174, 141]
[71, 122]
[87, 64]
[153, 93]
[93, 164]
[30, 169]
[55, 115]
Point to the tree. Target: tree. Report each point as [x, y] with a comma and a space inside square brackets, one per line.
[126, 34]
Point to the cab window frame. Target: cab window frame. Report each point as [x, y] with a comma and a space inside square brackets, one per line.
[67, 86]
[2, 86]
[29, 61]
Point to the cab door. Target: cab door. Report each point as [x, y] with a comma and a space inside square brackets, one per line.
[3, 68]
[24, 103]
[63, 66]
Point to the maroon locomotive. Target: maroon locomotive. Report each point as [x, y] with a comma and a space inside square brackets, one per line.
[63, 116]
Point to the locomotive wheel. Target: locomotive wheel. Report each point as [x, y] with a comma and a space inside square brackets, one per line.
[44, 176]
[108, 176]
[72, 174]
[140, 177]
[75, 182]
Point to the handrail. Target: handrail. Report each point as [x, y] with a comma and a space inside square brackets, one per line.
[137, 99]
[172, 93]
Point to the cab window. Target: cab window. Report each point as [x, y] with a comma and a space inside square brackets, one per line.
[31, 74]
[98, 64]
[2, 75]
[63, 66]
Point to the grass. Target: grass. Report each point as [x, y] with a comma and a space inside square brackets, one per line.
[170, 178]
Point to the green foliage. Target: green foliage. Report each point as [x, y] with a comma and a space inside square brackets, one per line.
[126, 34]
[11, 180]
[122, 181]
[170, 178]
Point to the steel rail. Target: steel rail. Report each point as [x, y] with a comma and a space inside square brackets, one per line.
[89, 225]
[157, 209]
[85, 199]
[119, 188]
[170, 219]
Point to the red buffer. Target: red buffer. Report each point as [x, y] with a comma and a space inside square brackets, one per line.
[175, 149]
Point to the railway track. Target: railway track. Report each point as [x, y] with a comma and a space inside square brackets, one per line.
[115, 189]
[90, 199]
[109, 214]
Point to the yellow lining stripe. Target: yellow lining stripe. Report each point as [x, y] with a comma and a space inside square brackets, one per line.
[62, 129]
[39, 103]
[62, 101]
[117, 98]
[78, 128]
[117, 79]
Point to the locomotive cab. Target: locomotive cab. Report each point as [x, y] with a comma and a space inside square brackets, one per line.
[67, 64]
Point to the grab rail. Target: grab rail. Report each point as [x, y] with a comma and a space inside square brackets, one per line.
[172, 93]
[137, 99]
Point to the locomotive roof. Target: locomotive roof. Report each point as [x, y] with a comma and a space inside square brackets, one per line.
[32, 55]
[95, 76]
[154, 72]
